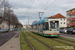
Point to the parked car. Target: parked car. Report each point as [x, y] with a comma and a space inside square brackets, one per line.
[60, 30]
[4, 30]
[65, 31]
[71, 31]
[15, 29]
[11, 29]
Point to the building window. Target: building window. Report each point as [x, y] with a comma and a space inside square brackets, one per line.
[64, 19]
[61, 19]
[64, 22]
[61, 22]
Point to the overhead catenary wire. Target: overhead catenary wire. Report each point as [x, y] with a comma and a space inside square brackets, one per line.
[46, 3]
[43, 6]
[49, 5]
[30, 5]
[28, 8]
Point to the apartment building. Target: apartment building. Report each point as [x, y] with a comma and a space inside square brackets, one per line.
[71, 17]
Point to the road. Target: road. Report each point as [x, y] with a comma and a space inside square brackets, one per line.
[4, 37]
[68, 35]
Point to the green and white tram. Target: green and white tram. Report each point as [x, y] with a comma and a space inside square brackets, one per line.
[46, 27]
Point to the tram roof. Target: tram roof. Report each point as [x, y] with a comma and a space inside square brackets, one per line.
[41, 21]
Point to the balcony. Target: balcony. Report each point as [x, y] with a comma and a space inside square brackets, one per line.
[71, 24]
[70, 18]
[71, 13]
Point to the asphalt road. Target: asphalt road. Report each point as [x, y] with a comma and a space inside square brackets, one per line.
[4, 37]
[72, 36]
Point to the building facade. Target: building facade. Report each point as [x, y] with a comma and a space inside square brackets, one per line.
[62, 20]
[71, 18]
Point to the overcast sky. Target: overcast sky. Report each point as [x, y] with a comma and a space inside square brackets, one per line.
[25, 8]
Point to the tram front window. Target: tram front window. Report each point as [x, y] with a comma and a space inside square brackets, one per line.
[54, 24]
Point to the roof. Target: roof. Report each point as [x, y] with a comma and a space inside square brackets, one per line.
[70, 9]
[58, 16]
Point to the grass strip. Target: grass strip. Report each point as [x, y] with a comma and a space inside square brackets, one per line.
[36, 44]
[66, 41]
[23, 43]
[54, 44]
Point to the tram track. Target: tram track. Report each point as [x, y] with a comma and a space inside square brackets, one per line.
[41, 42]
[32, 48]
[67, 40]
[63, 42]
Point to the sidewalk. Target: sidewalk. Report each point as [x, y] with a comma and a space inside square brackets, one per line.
[12, 44]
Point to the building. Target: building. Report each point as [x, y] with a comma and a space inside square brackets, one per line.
[71, 18]
[24, 26]
[62, 20]
[4, 24]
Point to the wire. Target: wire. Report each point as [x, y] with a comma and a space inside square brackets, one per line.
[49, 5]
[46, 3]
[31, 4]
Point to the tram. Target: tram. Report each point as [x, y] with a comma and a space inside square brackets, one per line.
[46, 27]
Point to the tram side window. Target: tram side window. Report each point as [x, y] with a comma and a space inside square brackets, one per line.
[47, 26]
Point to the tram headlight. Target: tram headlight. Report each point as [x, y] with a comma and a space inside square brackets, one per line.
[57, 29]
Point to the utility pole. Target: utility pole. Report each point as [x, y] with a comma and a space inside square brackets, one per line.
[28, 21]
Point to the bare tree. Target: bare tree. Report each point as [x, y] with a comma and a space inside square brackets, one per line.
[7, 13]
[4, 5]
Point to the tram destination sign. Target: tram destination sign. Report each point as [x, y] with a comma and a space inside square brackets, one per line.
[46, 20]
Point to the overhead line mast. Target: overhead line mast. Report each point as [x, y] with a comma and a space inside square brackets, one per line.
[48, 5]
[40, 15]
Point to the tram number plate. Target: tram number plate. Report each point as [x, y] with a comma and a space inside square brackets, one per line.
[54, 30]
